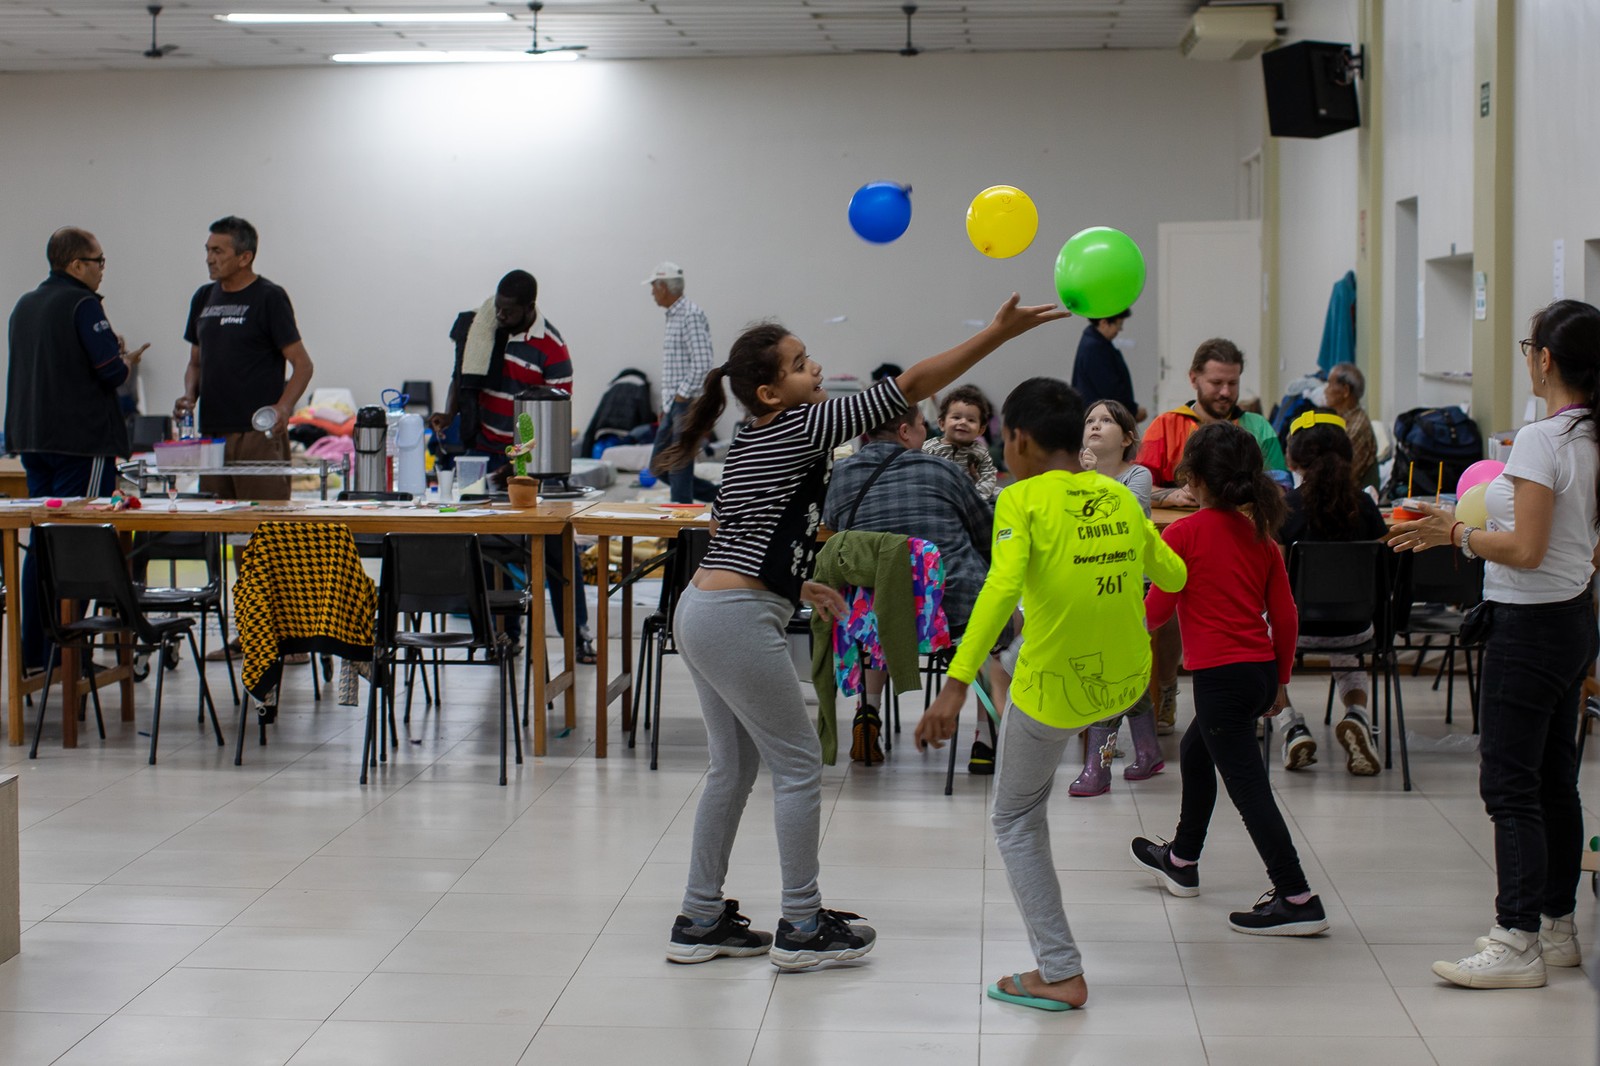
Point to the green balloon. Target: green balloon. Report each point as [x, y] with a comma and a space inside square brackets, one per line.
[1099, 273]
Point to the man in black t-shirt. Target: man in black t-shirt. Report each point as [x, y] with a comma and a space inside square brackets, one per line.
[241, 333]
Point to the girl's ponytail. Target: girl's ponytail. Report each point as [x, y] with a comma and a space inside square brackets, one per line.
[693, 427]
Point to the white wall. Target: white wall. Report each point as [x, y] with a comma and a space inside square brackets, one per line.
[1430, 106]
[1317, 202]
[389, 199]
[1557, 160]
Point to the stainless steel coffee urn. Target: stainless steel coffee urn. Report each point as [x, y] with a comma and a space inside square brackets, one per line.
[371, 472]
[551, 411]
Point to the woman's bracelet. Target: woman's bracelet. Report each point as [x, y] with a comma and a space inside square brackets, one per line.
[1453, 529]
[1466, 542]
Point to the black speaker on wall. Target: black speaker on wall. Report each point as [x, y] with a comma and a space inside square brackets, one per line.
[1311, 91]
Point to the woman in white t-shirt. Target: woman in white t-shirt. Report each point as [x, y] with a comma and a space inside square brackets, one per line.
[1540, 547]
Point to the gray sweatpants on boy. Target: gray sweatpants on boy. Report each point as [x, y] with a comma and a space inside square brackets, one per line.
[1030, 753]
[734, 645]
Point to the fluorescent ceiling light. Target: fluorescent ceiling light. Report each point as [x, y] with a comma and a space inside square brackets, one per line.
[421, 56]
[277, 18]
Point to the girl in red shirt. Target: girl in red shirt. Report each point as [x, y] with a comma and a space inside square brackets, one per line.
[1239, 628]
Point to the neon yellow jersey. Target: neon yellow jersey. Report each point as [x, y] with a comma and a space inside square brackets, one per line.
[1075, 548]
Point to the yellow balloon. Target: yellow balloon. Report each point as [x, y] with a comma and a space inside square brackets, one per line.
[1002, 221]
[1471, 508]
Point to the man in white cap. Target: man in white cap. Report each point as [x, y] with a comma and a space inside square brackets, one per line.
[686, 357]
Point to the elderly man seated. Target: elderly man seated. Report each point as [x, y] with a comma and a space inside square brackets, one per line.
[1346, 386]
[891, 486]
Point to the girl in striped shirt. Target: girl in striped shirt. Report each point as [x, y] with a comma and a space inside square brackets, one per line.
[730, 622]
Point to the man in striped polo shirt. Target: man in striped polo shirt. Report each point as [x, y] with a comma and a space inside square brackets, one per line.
[502, 348]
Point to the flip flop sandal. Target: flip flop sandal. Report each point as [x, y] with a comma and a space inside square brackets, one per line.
[1036, 1002]
[586, 654]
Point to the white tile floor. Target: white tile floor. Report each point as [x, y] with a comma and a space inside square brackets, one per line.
[195, 912]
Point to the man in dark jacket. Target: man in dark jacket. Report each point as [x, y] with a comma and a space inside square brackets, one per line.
[62, 414]
[1100, 373]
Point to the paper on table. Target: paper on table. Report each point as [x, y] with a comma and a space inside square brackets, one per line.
[196, 506]
[704, 516]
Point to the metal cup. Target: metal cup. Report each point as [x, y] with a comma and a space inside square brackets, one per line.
[265, 420]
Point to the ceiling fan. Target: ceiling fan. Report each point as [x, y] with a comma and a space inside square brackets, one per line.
[537, 6]
[909, 49]
[155, 51]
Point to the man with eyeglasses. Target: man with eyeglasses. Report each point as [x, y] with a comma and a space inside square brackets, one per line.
[62, 414]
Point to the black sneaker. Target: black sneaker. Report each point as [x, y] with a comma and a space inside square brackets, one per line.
[1157, 858]
[982, 761]
[1273, 915]
[1299, 748]
[731, 935]
[834, 940]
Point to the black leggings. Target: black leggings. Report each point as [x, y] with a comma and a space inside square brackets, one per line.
[1227, 701]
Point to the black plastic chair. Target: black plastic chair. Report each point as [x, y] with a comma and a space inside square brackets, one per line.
[82, 563]
[427, 574]
[657, 638]
[1444, 585]
[1352, 584]
[172, 598]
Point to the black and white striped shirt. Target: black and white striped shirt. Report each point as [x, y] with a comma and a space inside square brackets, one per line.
[774, 482]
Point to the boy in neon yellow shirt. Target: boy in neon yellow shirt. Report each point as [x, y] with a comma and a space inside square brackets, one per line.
[1075, 546]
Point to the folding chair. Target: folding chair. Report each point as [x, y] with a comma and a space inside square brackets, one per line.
[657, 637]
[83, 562]
[1351, 584]
[426, 574]
[1445, 584]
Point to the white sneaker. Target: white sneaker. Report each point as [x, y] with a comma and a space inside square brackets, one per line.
[1510, 958]
[1558, 941]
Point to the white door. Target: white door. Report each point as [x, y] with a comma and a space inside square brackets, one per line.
[1209, 276]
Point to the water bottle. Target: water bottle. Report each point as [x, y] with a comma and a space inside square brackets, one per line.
[186, 426]
[394, 403]
[409, 474]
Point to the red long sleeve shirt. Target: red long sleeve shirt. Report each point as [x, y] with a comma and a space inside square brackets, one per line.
[1234, 578]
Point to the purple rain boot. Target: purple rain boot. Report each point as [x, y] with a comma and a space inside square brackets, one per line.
[1147, 759]
[1096, 777]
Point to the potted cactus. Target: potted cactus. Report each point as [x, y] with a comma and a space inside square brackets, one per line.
[522, 489]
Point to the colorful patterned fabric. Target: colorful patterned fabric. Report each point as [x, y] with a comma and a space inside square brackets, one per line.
[301, 588]
[855, 638]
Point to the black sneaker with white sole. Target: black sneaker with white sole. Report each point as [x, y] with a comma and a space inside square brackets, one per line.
[1157, 858]
[835, 939]
[1274, 915]
[1299, 748]
[731, 935]
[1355, 736]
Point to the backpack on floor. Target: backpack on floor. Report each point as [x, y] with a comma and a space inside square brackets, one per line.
[1425, 437]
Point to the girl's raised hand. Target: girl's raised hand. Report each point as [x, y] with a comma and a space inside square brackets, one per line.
[1013, 319]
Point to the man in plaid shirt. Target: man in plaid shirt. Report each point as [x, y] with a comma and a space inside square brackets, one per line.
[916, 495]
[686, 357]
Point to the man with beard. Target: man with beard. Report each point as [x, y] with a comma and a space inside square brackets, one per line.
[1214, 375]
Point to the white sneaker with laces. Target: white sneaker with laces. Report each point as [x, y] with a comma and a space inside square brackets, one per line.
[1558, 941]
[1509, 958]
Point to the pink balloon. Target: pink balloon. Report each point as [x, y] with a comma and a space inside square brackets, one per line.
[1479, 473]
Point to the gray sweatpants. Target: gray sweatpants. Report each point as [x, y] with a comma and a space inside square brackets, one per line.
[1030, 753]
[734, 644]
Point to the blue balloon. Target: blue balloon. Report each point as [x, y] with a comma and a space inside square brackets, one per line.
[880, 211]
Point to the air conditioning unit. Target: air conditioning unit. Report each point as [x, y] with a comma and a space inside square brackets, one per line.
[1230, 31]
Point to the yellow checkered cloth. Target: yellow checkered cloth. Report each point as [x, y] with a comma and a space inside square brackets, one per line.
[301, 588]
